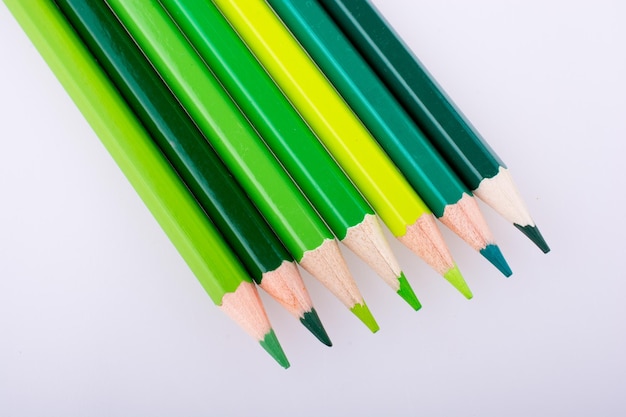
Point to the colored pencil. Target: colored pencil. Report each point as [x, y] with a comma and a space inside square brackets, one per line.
[339, 203]
[287, 210]
[458, 141]
[389, 124]
[169, 201]
[397, 204]
[251, 238]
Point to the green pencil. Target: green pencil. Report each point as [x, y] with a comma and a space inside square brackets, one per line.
[342, 133]
[339, 203]
[457, 140]
[264, 256]
[147, 170]
[394, 130]
[289, 213]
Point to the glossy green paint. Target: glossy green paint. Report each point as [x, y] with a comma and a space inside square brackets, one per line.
[178, 137]
[372, 102]
[305, 158]
[456, 139]
[242, 150]
[167, 198]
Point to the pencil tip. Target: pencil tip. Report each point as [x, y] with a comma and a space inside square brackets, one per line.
[311, 321]
[533, 233]
[454, 277]
[493, 255]
[406, 292]
[272, 346]
[365, 315]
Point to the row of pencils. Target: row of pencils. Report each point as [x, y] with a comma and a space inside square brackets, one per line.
[260, 133]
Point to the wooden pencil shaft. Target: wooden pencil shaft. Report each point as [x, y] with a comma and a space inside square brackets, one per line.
[180, 140]
[328, 115]
[283, 205]
[283, 130]
[122, 134]
[415, 88]
[385, 118]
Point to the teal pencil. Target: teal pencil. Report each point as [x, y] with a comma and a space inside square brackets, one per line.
[390, 125]
[458, 141]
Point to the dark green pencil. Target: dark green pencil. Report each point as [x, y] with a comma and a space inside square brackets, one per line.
[186, 148]
[457, 140]
[391, 126]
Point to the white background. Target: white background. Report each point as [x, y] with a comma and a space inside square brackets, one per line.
[99, 316]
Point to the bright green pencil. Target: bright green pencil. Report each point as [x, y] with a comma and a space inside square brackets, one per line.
[277, 197]
[343, 134]
[147, 170]
[432, 178]
[458, 141]
[339, 203]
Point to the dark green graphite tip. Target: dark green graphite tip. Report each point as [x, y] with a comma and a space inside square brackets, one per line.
[311, 321]
[533, 233]
[272, 346]
[493, 255]
[406, 292]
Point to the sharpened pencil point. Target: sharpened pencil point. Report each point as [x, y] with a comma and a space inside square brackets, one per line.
[455, 278]
[312, 322]
[533, 233]
[406, 292]
[493, 255]
[365, 315]
[272, 346]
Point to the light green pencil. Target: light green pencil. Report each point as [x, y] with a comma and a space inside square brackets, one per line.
[147, 170]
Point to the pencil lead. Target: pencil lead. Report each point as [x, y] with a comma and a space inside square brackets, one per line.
[365, 315]
[493, 255]
[311, 321]
[406, 292]
[272, 346]
[533, 233]
[454, 277]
